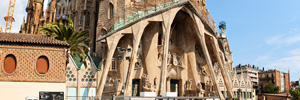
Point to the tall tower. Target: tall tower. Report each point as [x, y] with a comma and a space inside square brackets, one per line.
[34, 11]
[9, 18]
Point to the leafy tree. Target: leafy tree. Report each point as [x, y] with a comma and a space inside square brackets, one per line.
[68, 34]
[296, 94]
[270, 88]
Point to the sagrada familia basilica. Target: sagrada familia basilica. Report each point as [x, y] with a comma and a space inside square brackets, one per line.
[145, 48]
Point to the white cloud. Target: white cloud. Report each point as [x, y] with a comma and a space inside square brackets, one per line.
[292, 63]
[19, 13]
[284, 39]
[294, 52]
[262, 58]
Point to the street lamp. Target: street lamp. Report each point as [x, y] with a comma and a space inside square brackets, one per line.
[123, 51]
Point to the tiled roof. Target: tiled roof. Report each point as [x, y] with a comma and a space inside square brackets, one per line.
[96, 61]
[30, 39]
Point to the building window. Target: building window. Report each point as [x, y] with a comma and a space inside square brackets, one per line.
[111, 11]
[81, 18]
[72, 93]
[87, 20]
[42, 65]
[113, 66]
[10, 63]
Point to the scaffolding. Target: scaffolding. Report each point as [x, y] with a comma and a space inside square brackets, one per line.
[9, 18]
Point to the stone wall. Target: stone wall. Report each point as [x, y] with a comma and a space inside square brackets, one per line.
[26, 63]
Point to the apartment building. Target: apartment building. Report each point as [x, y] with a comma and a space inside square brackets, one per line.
[280, 79]
[251, 71]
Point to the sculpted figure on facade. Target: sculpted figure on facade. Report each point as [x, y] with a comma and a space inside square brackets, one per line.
[179, 58]
[175, 62]
[199, 87]
[138, 64]
[146, 83]
[188, 84]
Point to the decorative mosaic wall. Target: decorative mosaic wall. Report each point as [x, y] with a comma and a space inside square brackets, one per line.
[26, 61]
[84, 77]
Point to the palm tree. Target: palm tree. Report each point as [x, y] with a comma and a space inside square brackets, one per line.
[68, 34]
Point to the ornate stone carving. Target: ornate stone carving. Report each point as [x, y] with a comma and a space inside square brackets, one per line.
[175, 59]
[201, 69]
[216, 67]
[138, 64]
[199, 87]
[169, 58]
[179, 58]
[188, 84]
[209, 86]
[175, 62]
[146, 83]
[112, 84]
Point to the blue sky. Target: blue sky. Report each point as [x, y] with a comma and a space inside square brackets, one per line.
[264, 33]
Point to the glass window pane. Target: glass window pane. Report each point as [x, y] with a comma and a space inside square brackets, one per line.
[72, 93]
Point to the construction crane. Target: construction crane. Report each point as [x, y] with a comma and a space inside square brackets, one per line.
[10, 16]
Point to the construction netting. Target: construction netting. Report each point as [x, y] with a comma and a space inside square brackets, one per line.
[138, 10]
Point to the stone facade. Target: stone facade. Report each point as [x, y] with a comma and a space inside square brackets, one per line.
[37, 17]
[242, 86]
[175, 48]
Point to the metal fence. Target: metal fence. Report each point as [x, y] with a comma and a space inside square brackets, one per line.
[140, 10]
[135, 14]
[89, 98]
[138, 98]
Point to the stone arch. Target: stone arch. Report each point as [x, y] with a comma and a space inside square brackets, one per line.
[124, 42]
[148, 48]
[184, 31]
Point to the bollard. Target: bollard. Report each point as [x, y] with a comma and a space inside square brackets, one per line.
[113, 97]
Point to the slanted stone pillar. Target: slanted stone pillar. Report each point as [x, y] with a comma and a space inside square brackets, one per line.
[112, 42]
[200, 28]
[137, 30]
[224, 71]
[168, 18]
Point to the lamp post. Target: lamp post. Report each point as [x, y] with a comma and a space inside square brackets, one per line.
[123, 51]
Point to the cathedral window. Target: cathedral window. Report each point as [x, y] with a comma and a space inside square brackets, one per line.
[81, 19]
[87, 19]
[111, 11]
